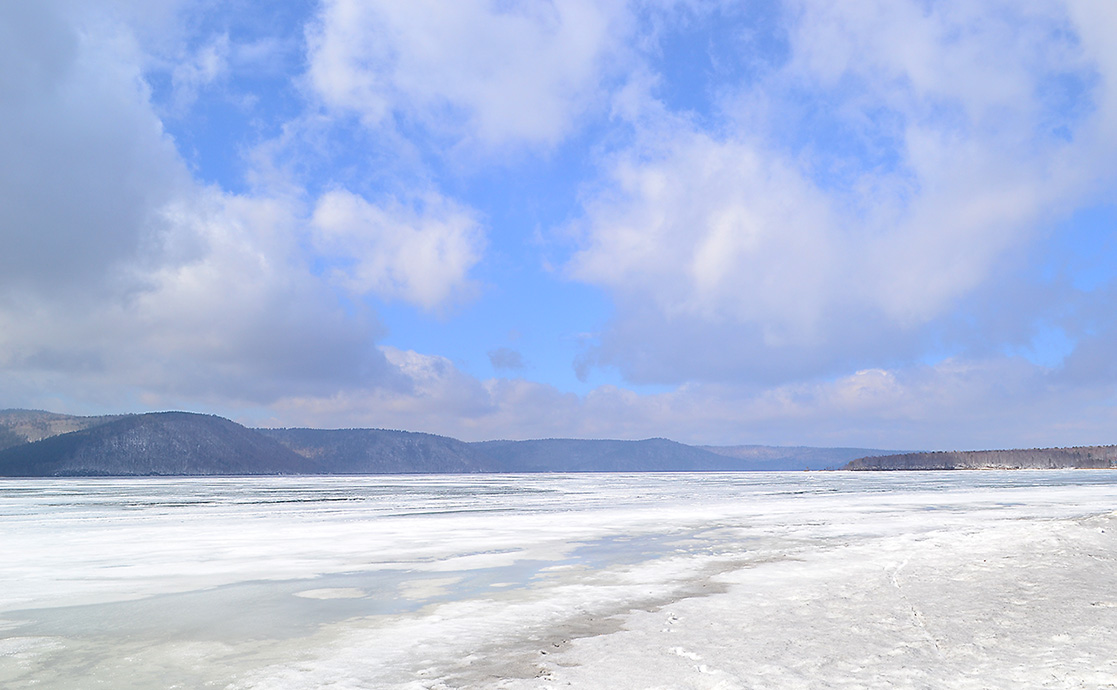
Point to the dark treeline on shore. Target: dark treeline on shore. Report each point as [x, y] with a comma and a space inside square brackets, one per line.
[1084, 457]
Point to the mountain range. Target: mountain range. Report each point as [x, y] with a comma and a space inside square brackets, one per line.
[35, 443]
[42, 444]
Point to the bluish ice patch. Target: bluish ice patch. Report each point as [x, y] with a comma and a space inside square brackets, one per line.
[286, 609]
[267, 609]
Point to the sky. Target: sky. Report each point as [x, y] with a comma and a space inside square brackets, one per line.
[798, 222]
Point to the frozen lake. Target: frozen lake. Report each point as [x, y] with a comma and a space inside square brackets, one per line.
[719, 581]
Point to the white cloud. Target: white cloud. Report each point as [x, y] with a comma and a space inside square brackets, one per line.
[237, 318]
[247, 314]
[706, 229]
[206, 65]
[496, 73]
[780, 258]
[397, 252]
[855, 197]
[86, 163]
[120, 274]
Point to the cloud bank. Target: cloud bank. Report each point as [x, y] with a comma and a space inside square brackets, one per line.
[858, 224]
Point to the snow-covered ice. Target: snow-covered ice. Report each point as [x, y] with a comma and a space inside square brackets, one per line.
[792, 580]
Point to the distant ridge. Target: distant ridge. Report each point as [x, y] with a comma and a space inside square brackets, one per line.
[380, 451]
[1084, 457]
[26, 426]
[576, 455]
[39, 443]
[158, 443]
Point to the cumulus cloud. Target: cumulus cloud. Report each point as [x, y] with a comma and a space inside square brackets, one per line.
[791, 259]
[87, 166]
[122, 276]
[692, 227]
[247, 313]
[398, 252]
[856, 195]
[240, 319]
[496, 73]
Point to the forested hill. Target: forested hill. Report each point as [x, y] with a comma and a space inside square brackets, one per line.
[1084, 457]
[36, 443]
[381, 451]
[160, 443]
[378, 451]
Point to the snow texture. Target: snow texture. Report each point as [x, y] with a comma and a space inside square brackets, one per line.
[726, 581]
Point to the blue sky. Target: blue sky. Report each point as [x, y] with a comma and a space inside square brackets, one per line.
[887, 224]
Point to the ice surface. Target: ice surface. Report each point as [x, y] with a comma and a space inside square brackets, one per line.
[820, 580]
